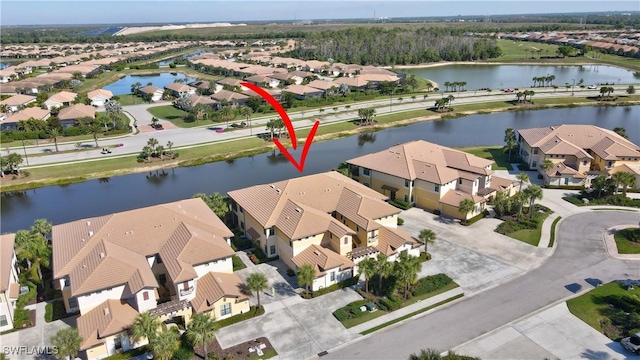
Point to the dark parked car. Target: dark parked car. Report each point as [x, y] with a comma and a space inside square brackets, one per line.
[632, 343]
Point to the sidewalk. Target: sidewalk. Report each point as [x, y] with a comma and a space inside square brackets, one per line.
[406, 311]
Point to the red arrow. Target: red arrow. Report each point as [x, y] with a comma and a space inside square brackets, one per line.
[287, 122]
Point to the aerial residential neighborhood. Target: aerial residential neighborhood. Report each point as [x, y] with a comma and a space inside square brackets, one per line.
[285, 181]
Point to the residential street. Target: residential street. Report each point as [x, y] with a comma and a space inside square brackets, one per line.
[580, 256]
[190, 136]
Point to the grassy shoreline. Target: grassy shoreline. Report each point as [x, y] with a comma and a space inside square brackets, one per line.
[201, 154]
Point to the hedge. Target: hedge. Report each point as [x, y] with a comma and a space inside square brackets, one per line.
[253, 312]
[334, 287]
[564, 187]
[400, 204]
[474, 219]
[390, 303]
[351, 310]
[431, 283]
[55, 310]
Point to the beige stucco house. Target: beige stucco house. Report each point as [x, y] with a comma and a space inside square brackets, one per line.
[57, 100]
[9, 286]
[326, 220]
[579, 153]
[171, 259]
[431, 177]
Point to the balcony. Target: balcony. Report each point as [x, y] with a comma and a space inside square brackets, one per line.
[186, 292]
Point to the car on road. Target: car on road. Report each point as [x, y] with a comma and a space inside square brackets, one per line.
[632, 343]
[159, 127]
[509, 90]
[592, 87]
[105, 151]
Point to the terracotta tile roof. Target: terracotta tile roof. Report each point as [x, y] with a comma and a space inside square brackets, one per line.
[178, 87]
[18, 99]
[321, 260]
[556, 146]
[323, 84]
[28, 113]
[390, 239]
[229, 81]
[150, 89]
[228, 95]
[634, 169]
[378, 77]
[454, 197]
[63, 96]
[355, 82]
[302, 89]
[214, 286]
[501, 184]
[108, 318]
[363, 210]
[322, 192]
[376, 70]
[77, 111]
[108, 251]
[199, 99]
[6, 254]
[299, 221]
[100, 92]
[561, 168]
[423, 160]
[605, 143]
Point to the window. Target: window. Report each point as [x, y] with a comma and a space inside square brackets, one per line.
[406, 183]
[272, 249]
[584, 162]
[406, 198]
[225, 309]
[413, 183]
[158, 259]
[346, 240]
[357, 228]
[411, 198]
[73, 303]
[534, 165]
[3, 320]
[145, 295]
[117, 342]
[535, 151]
[241, 210]
[437, 188]
[366, 171]
[333, 276]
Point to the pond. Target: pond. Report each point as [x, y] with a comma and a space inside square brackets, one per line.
[103, 196]
[123, 86]
[517, 76]
[188, 55]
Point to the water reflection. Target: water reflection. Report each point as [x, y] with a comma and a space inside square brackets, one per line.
[366, 138]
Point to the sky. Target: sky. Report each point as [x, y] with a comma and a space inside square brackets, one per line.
[29, 12]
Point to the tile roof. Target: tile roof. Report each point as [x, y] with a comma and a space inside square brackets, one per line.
[355, 82]
[228, 95]
[63, 96]
[6, 254]
[108, 318]
[501, 184]
[603, 142]
[321, 259]
[390, 239]
[302, 89]
[323, 84]
[561, 168]
[77, 111]
[28, 113]
[633, 169]
[214, 286]
[18, 99]
[111, 250]
[100, 92]
[424, 160]
[454, 197]
[149, 89]
[177, 87]
[298, 221]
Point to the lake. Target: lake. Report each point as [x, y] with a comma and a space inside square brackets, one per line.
[517, 76]
[123, 86]
[188, 55]
[103, 196]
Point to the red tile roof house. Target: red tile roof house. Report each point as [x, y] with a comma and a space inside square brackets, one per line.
[151, 93]
[29, 113]
[233, 98]
[262, 80]
[171, 260]
[70, 115]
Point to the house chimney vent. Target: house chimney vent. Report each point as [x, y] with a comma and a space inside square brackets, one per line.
[90, 233]
[106, 311]
[88, 223]
[101, 255]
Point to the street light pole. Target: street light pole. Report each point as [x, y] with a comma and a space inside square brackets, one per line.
[25, 152]
[573, 86]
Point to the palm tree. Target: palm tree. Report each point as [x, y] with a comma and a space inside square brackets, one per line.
[367, 267]
[165, 344]
[271, 126]
[446, 86]
[510, 139]
[154, 122]
[406, 271]
[67, 342]
[246, 112]
[523, 178]
[169, 147]
[519, 95]
[547, 165]
[427, 236]
[94, 128]
[202, 330]
[384, 269]
[465, 207]
[532, 194]
[599, 184]
[428, 354]
[42, 226]
[450, 99]
[257, 282]
[35, 250]
[225, 111]
[306, 275]
[146, 326]
[54, 134]
[625, 179]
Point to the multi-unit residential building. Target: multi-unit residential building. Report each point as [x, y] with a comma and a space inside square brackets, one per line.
[431, 177]
[326, 220]
[9, 287]
[171, 259]
[578, 152]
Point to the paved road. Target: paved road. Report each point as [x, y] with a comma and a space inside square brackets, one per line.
[580, 255]
[185, 137]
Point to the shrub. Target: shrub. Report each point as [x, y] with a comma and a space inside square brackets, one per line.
[20, 318]
[391, 302]
[431, 283]
[253, 312]
[290, 272]
[237, 263]
[474, 219]
[334, 287]
[400, 204]
[183, 353]
[72, 131]
[564, 187]
[400, 221]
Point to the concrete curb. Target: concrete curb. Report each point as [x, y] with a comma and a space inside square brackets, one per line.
[612, 247]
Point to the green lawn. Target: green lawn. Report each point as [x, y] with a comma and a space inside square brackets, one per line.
[130, 100]
[176, 116]
[592, 307]
[495, 153]
[625, 245]
[530, 236]
[268, 354]
[514, 51]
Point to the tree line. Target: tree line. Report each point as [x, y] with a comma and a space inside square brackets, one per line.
[375, 46]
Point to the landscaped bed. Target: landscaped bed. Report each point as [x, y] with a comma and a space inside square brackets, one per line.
[611, 309]
[628, 241]
[616, 200]
[240, 351]
[525, 229]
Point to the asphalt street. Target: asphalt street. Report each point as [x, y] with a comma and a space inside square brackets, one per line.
[199, 135]
[579, 257]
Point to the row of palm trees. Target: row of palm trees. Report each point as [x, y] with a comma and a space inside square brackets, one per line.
[524, 94]
[608, 90]
[366, 116]
[455, 86]
[503, 204]
[405, 271]
[543, 81]
[444, 103]
[623, 179]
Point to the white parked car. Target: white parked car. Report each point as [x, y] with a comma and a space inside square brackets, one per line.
[632, 343]
[592, 87]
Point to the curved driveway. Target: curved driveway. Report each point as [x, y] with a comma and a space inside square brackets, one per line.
[580, 255]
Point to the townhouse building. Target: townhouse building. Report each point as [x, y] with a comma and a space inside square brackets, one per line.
[9, 286]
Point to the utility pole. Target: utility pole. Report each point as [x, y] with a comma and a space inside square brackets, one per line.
[25, 152]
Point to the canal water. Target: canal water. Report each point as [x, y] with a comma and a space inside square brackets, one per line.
[497, 77]
[103, 196]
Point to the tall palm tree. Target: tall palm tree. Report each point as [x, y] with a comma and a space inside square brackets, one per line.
[257, 282]
[625, 179]
[42, 226]
[510, 140]
[54, 134]
[406, 271]
[465, 207]
[165, 344]
[306, 275]
[532, 193]
[202, 330]
[427, 236]
[169, 147]
[367, 267]
[246, 112]
[522, 178]
[146, 326]
[67, 341]
[225, 111]
[384, 268]
[599, 183]
[35, 251]
[547, 165]
[617, 179]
